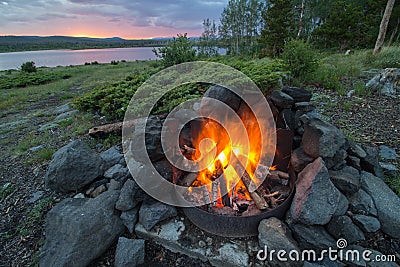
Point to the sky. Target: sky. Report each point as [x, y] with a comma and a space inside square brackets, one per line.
[130, 19]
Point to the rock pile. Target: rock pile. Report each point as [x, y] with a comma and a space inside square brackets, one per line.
[339, 194]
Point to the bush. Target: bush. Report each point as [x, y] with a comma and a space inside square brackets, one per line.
[28, 67]
[177, 51]
[300, 58]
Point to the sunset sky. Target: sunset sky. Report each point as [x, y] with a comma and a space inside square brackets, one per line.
[130, 19]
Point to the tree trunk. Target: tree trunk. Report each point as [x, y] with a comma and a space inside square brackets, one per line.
[303, 7]
[383, 27]
[394, 32]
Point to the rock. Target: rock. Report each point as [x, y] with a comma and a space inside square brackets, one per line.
[130, 218]
[312, 237]
[231, 255]
[222, 94]
[343, 227]
[154, 151]
[184, 115]
[354, 162]
[316, 198]
[275, 235]
[111, 157]
[356, 260]
[386, 82]
[367, 223]
[386, 201]
[35, 197]
[343, 206]
[300, 159]
[152, 212]
[304, 106]
[388, 153]
[48, 126]
[65, 116]
[338, 161]
[114, 185]
[37, 148]
[73, 167]
[370, 260]
[80, 230]
[281, 100]
[346, 180]
[361, 202]
[131, 195]
[370, 163]
[356, 150]
[80, 195]
[286, 119]
[375, 255]
[130, 252]
[298, 94]
[117, 172]
[322, 139]
[389, 169]
[97, 191]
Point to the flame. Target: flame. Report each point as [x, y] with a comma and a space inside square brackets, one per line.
[228, 140]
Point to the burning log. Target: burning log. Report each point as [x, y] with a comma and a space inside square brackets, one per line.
[258, 200]
[281, 174]
[189, 179]
[214, 192]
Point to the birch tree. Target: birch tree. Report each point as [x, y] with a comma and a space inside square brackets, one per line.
[383, 27]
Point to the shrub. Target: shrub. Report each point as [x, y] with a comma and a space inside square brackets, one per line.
[28, 67]
[300, 58]
[177, 51]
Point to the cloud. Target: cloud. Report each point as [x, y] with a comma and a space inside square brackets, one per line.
[131, 17]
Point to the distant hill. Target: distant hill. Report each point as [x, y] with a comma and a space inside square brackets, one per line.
[29, 43]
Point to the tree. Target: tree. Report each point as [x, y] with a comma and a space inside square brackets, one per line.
[278, 25]
[178, 50]
[28, 67]
[383, 27]
[240, 25]
[343, 26]
[207, 44]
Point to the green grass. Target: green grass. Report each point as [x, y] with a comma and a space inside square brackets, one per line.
[45, 154]
[394, 183]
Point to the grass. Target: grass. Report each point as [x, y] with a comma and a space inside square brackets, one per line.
[34, 215]
[394, 183]
[7, 189]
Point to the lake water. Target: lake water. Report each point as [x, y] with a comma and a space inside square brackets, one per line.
[53, 58]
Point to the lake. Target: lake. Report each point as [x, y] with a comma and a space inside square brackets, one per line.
[53, 58]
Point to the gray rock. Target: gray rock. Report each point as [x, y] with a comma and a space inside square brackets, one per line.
[354, 162]
[346, 181]
[343, 227]
[300, 159]
[231, 255]
[370, 163]
[298, 94]
[386, 82]
[130, 252]
[304, 106]
[48, 126]
[361, 202]
[386, 152]
[65, 116]
[316, 198]
[222, 94]
[275, 235]
[130, 218]
[281, 100]
[386, 201]
[111, 157]
[322, 139]
[35, 197]
[343, 206]
[98, 190]
[117, 172]
[312, 237]
[73, 167]
[80, 230]
[359, 261]
[154, 151]
[131, 195]
[184, 115]
[326, 262]
[37, 148]
[356, 150]
[152, 212]
[367, 223]
[389, 169]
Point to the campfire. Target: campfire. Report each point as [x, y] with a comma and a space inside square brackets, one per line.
[230, 170]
